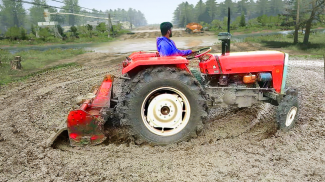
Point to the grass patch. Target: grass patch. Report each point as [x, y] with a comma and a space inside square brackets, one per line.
[310, 56]
[249, 30]
[83, 38]
[48, 69]
[34, 62]
[315, 47]
[22, 43]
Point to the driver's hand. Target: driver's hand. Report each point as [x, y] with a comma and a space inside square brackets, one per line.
[193, 53]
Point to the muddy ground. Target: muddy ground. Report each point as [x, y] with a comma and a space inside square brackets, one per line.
[235, 145]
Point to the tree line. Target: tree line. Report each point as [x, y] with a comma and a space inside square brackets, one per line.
[209, 10]
[14, 14]
[300, 14]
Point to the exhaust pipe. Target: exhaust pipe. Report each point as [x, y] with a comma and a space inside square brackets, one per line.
[228, 42]
[225, 37]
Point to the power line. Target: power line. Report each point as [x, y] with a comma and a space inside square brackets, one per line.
[73, 5]
[47, 6]
[44, 5]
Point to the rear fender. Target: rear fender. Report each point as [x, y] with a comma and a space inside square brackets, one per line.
[177, 61]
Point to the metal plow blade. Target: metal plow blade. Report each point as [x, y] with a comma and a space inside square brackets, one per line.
[85, 126]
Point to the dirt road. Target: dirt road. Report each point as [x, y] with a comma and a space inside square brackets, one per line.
[235, 145]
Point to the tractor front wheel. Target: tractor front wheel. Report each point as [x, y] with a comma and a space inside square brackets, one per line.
[166, 105]
[287, 112]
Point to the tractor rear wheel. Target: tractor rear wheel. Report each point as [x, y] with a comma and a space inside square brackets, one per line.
[287, 112]
[197, 74]
[164, 105]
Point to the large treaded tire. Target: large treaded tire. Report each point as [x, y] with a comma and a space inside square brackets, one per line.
[135, 91]
[287, 112]
[197, 74]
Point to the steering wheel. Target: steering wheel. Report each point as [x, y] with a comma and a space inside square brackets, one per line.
[199, 53]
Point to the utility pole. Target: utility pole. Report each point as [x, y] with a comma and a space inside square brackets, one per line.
[110, 25]
[295, 41]
[16, 21]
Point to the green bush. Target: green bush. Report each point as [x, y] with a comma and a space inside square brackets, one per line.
[23, 34]
[74, 30]
[101, 27]
[44, 33]
[60, 30]
[89, 27]
[13, 33]
[33, 29]
[216, 24]
[263, 19]
[242, 22]
[52, 39]
[290, 36]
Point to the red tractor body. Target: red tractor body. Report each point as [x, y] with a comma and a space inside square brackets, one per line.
[166, 102]
[228, 64]
[242, 75]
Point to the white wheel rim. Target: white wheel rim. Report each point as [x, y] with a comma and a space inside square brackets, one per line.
[165, 111]
[291, 115]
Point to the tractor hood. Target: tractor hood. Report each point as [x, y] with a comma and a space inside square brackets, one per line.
[240, 62]
[254, 62]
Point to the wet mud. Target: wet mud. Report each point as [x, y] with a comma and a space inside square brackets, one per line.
[235, 144]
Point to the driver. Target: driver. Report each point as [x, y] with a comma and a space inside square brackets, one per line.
[167, 47]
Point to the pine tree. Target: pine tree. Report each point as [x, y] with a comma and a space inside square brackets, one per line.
[276, 7]
[72, 6]
[242, 22]
[184, 14]
[242, 6]
[211, 8]
[12, 14]
[251, 9]
[263, 7]
[36, 12]
[224, 9]
[199, 11]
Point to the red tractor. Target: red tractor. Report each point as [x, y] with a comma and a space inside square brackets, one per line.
[165, 102]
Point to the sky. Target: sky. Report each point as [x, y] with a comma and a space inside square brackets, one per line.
[155, 11]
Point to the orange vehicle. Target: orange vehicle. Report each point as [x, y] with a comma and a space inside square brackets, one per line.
[194, 28]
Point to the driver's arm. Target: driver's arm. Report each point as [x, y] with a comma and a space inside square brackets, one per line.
[181, 52]
[169, 49]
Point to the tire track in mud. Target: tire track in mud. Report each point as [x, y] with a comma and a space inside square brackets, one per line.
[241, 140]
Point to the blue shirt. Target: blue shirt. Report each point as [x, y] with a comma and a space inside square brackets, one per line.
[167, 47]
